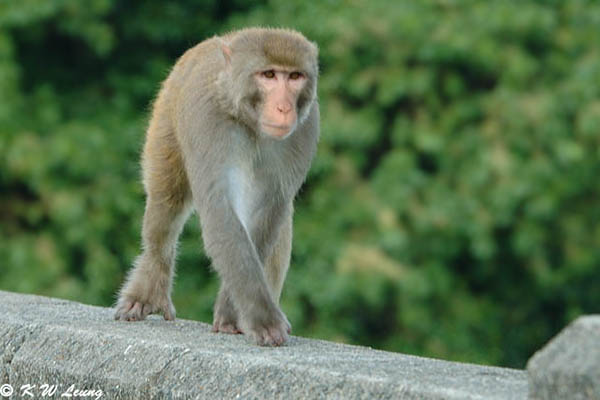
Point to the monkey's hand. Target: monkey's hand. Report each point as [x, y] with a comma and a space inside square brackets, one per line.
[267, 328]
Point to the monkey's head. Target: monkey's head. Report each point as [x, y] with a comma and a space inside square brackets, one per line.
[269, 82]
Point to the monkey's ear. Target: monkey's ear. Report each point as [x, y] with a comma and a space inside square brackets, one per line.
[226, 53]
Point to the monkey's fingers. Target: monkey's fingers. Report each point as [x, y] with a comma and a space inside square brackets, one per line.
[123, 307]
[226, 328]
[132, 311]
[274, 335]
[225, 322]
[168, 313]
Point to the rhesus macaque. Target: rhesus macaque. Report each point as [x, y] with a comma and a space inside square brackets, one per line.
[233, 131]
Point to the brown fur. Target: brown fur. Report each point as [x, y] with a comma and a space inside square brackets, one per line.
[204, 149]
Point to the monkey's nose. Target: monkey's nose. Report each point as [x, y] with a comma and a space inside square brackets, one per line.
[284, 108]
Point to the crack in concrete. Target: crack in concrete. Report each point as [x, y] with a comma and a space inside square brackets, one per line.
[157, 375]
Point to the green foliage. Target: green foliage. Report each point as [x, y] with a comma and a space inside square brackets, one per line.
[452, 210]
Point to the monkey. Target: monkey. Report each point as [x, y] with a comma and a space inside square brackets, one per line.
[232, 134]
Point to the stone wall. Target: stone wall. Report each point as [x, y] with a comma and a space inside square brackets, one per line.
[63, 347]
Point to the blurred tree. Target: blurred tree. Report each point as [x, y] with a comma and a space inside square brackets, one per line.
[452, 210]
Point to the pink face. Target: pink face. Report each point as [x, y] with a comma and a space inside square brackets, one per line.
[280, 88]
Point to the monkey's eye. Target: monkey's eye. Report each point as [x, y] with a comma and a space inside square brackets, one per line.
[270, 74]
[295, 75]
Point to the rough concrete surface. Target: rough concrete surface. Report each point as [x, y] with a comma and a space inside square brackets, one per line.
[58, 342]
[568, 367]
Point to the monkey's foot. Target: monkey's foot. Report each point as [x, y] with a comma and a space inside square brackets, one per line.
[273, 333]
[133, 310]
[225, 319]
[226, 327]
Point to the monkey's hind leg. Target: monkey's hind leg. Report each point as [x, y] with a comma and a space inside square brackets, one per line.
[147, 289]
[225, 318]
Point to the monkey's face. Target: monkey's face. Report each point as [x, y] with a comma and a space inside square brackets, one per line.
[269, 81]
[280, 89]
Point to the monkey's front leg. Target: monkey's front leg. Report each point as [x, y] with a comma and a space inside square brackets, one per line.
[271, 237]
[235, 258]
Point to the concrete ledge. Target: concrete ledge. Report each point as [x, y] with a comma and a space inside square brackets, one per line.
[57, 342]
[568, 367]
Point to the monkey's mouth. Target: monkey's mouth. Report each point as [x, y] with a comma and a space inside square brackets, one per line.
[278, 131]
